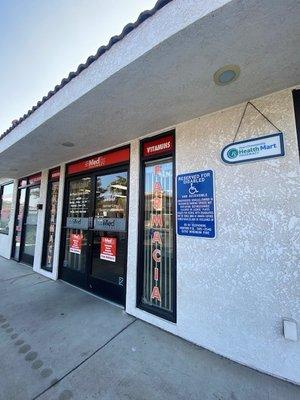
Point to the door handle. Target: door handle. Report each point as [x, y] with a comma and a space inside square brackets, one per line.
[91, 222]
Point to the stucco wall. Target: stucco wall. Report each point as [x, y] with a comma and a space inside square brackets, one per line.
[6, 240]
[233, 291]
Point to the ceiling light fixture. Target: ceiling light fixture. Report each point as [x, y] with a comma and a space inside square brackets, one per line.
[226, 75]
[68, 144]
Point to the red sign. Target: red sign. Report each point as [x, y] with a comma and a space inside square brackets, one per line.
[158, 146]
[100, 161]
[35, 179]
[108, 249]
[55, 173]
[75, 243]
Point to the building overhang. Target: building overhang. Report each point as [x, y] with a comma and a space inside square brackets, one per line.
[160, 75]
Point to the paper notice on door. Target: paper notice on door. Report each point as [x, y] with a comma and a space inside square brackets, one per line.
[75, 243]
[108, 248]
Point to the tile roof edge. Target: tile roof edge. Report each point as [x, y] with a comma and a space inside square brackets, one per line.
[103, 49]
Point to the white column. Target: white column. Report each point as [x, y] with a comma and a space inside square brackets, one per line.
[132, 228]
[59, 216]
[40, 223]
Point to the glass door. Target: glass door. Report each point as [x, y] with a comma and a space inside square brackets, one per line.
[19, 223]
[30, 225]
[77, 236]
[109, 251]
[95, 234]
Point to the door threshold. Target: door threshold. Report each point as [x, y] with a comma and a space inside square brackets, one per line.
[26, 265]
[94, 295]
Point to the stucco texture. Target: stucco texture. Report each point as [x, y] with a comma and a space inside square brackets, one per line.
[233, 291]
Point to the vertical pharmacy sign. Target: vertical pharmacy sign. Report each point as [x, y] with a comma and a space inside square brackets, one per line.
[157, 252]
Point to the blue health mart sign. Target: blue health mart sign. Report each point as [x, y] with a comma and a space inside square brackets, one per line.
[195, 204]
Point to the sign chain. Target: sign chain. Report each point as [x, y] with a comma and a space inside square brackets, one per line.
[243, 115]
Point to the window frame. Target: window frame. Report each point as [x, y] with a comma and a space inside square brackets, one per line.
[1, 203]
[166, 315]
[46, 235]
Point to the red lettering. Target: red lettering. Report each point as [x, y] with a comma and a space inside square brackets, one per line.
[157, 203]
[157, 169]
[157, 187]
[156, 220]
[156, 255]
[156, 237]
[155, 294]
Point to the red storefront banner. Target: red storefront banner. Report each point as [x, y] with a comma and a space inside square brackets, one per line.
[108, 248]
[99, 161]
[55, 174]
[35, 179]
[161, 145]
[75, 243]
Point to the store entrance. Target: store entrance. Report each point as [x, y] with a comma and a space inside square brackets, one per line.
[26, 220]
[30, 225]
[95, 233]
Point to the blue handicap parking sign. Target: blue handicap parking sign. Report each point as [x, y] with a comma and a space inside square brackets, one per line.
[195, 204]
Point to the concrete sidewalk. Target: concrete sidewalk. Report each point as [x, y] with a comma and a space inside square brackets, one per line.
[57, 342]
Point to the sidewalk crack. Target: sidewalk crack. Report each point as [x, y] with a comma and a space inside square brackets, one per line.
[85, 360]
[17, 277]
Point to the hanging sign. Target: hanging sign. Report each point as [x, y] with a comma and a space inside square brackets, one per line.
[75, 243]
[157, 146]
[195, 204]
[108, 248]
[260, 148]
[99, 161]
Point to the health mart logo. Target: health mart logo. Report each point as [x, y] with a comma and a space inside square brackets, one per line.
[254, 149]
[232, 153]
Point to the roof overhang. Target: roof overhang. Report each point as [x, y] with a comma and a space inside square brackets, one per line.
[159, 75]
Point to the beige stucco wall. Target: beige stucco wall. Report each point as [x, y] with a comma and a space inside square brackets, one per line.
[233, 291]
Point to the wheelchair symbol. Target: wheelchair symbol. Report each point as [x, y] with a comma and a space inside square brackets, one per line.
[192, 189]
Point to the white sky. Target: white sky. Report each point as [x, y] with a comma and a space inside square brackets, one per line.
[41, 41]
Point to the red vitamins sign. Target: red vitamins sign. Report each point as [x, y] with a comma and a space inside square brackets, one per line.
[161, 145]
[108, 248]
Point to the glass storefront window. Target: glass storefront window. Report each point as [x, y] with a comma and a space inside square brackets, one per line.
[110, 223]
[158, 235]
[6, 194]
[156, 291]
[30, 225]
[77, 224]
[51, 225]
